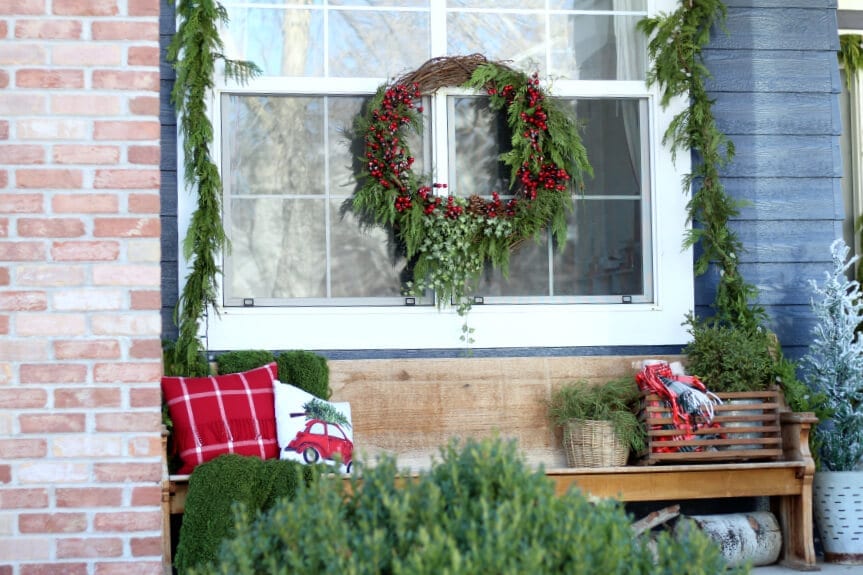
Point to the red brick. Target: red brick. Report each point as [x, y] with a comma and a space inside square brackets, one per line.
[54, 569]
[20, 103]
[85, 251]
[4, 79]
[23, 398]
[4, 178]
[127, 372]
[127, 179]
[49, 179]
[146, 496]
[86, 154]
[23, 498]
[143, 7]
[85, 7]
[127, 521]
[23, 301]
[50, 228]
[126, 228]
[89, 497]
[80, 397]
[25, 349]
[125, 80]
[146, 349]
[53, 373]
[92, 349]
[144, 155]
[54, 129]
[123, 131]
[52, 324]
[144, 203]
[143, 56]
[52, 422]
[6, 475]
[49, 79]
[89, 547]
[22, 154]
[85, 104]
[48, 29]
[123, 30]
[23, 448]
[131, 275]
[136, 421]
[145, 397]
[126, 324]
[146, 546]
[3, 29]
[144, 106]
[52, 522]
[24, 203]
[22, 251]
[4, 324]
[89, 55]
[4, 129]
[21, 53]
[54, 275]
[137, 568]
[4, 230]
[146, 447]
[20, 7]
[146, 300]
[85, 203]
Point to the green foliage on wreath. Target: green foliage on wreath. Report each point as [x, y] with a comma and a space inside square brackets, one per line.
[675, 46]
[450, 239]
[194, 51]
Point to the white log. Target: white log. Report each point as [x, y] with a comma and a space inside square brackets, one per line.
[743, 537]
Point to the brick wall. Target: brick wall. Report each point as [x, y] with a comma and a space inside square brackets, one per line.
[79, 287]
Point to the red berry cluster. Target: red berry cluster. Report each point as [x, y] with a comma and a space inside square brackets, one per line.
[453, 210]
[389, 162]
[496, 207]
[550, 178]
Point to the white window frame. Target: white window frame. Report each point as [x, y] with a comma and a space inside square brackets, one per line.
[658, 323]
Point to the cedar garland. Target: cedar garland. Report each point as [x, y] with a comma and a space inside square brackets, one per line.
[675, 46]
[194, 52]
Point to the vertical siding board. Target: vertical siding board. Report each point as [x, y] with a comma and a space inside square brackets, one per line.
[776, 84]
[168, 188]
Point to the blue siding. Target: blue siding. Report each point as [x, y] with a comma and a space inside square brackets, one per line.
[168, 189]
[776, 83]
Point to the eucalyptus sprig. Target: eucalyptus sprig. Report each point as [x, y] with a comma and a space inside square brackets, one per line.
[194, 52]
[675, 48]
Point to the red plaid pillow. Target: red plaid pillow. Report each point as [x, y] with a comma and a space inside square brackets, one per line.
[233, 413]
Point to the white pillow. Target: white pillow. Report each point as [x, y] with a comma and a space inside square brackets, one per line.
[311, 430]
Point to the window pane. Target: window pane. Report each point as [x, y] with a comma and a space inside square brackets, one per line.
[368, 43]
[277, 249]
[364, 260]
[585, 47]
[533, 4]
[282, 42]
[273, 144]
[612, 136]
[481, 135]
[528, 273]
[399, 3]
[604, 251]
[599, 5]
[516, 37]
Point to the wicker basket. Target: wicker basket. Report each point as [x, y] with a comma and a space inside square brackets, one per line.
[590, 443]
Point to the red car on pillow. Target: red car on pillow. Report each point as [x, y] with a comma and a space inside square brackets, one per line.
[320, 439]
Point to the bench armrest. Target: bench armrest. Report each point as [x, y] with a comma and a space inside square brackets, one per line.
[795, 437]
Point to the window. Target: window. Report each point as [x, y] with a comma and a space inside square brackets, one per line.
[287, 160]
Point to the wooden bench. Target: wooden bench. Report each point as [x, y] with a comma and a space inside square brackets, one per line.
[410, 407]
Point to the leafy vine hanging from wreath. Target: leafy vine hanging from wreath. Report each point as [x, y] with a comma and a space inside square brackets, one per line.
[449, 239]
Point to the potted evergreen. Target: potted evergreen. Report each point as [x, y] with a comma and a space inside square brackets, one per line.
[833, 368]
[599, 422]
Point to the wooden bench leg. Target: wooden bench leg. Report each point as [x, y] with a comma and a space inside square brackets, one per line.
[167, 568]
[795, 518]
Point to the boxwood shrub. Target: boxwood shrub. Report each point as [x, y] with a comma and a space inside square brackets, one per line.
[479, 510]
[306, 370]
[243, 360]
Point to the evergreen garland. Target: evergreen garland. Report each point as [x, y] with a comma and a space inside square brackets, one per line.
[194, 52]
[675, 46]
[851, 56]
[449, 239]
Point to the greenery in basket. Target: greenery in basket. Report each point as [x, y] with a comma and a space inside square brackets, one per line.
[833, 365]
[615, 401]
[480, 509]
[729, 359]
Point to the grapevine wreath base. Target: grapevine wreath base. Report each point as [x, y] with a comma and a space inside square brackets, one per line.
[448, 239]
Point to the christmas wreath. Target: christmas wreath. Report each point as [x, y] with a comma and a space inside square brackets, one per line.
[448, 239]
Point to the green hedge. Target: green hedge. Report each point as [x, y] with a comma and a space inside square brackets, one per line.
[480, 510]
[243, 360]
[216, 486]
[306, 370]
